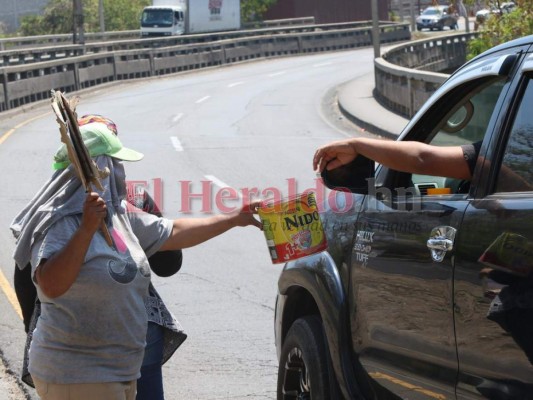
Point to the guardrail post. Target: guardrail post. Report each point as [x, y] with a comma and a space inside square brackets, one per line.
[411, 97]
[6, 91]
[152, 63]
[223, 52]
[76, 72]
[114, 68]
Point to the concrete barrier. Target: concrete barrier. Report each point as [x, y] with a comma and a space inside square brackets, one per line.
[92, 65]
[406, 76]
[280, 22]
[17, 42]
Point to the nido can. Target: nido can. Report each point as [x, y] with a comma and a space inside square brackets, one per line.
[292, 228]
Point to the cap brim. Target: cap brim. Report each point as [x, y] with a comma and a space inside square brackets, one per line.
[126, 154]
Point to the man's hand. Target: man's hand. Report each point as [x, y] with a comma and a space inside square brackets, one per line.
[334, 155]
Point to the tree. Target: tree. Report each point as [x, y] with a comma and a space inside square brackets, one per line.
[500, 28]
[57, 17]
[253, 10]
[123, 15]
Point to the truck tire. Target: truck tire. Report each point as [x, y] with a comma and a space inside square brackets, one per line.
[303, 366]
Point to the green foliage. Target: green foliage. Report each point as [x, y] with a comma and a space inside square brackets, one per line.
[57, 18]
[123, 15]
[253, 10]
[58, 14]
[501, 28]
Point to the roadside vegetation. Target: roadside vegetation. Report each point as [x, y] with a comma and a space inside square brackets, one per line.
[120, 15]
[500, 28]
[253, 10]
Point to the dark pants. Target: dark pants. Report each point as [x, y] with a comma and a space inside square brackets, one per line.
[150, 384]
[26, 293]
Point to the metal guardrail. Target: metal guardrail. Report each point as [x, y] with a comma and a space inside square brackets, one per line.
[90, 37]
[280, 22]
[18, 42]
[401, 84]
[115, 61]
[45, 53]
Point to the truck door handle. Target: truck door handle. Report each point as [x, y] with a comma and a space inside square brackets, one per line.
[440, 241]
[440, 244]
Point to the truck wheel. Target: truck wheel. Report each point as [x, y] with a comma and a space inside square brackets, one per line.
[303, 366]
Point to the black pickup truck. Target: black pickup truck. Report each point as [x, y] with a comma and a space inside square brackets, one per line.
[422, 295]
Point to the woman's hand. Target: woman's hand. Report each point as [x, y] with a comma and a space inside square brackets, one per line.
[245, 216]
[56, 275]
[94, 212]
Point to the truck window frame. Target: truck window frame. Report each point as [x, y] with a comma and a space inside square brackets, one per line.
[525, 86]
[429, 126]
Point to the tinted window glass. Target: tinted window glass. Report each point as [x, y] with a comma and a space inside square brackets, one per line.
[516, 174]
[468, 124]
[465, 123]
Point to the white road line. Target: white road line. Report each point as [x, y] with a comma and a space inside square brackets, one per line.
[202, 99]
[176, 143]
[235, 84]
[221, 184]
[322, 64]
[177, 117]
[277, 73]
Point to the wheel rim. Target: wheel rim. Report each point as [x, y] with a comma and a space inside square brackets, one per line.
[296, 384]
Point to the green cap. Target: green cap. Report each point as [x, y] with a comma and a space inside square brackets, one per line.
[99, 140]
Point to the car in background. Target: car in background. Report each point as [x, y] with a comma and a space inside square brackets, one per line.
[426, 288]
[436, 17]
[485, 13]
[507, 7]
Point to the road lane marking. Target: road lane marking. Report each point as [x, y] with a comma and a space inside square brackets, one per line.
[407, 385]
[277, 73]
[176, 143]
[177, 117]
[202, 99]
[324, 64]
[235, 84]
[4, 283]
[4, 137]
[221, 184]
[10, 293]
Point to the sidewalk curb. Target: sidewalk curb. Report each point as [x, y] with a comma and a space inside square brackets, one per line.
[367, 126]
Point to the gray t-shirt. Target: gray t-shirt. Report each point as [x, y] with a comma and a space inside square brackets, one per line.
[96, 331]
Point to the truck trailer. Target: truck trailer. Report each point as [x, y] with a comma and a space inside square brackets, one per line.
[178, 17]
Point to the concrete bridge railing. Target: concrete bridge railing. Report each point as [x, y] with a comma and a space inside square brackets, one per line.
[114, 61]
[406, 76]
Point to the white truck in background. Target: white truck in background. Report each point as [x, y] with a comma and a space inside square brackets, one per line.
[178, 17]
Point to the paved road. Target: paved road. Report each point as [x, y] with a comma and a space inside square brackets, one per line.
[254, 125]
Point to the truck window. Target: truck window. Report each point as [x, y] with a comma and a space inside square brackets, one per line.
[516, 174]
[162, 18]
[465, 122]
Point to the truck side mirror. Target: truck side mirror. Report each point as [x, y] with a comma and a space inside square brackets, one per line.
[353, 176]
